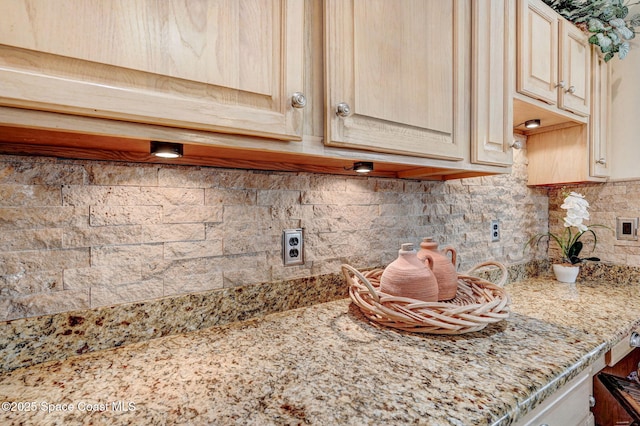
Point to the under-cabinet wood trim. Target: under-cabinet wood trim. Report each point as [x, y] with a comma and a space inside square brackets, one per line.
[30, 132]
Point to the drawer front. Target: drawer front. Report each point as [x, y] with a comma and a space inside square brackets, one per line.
[568, 406]
[620, 350]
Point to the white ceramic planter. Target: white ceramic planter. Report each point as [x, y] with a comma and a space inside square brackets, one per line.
[565, 273]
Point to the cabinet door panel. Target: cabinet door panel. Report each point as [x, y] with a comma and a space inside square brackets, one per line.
[599, 161]
[575, 69]
[569, 405]
[397, 80]
[537, 51]
[492, 81]
[226, 65]
[400, 66]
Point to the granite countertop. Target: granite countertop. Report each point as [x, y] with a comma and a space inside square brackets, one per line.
[326, 364]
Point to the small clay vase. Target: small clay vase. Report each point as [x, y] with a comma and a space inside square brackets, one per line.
[443, 268]
[408, 276]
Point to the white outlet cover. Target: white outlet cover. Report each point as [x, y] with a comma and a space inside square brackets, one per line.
[292, 247]
[495, 231]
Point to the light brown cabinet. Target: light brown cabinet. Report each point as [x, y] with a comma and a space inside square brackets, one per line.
[492, 81]
[224, 66]
[554, 59]
[563, 81]
[577, 153]
[390, 86]
[600, 120]
[425, 99]
[537, 51]
[574, 91]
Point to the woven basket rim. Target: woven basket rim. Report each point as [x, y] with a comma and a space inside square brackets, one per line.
[478, 303]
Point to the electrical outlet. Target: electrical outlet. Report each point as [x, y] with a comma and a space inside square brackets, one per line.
[292, 247]
[495, 231]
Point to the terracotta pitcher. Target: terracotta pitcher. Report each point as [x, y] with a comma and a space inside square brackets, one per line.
[443, 268]
[408, 276]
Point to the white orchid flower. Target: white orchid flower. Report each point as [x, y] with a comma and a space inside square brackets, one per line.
[578, 214]
[576, 222]
[575, 199]
[577, 211]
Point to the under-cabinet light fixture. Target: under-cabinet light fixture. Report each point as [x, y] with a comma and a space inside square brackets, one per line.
[532, 124]
[166, 149]
[361, 167]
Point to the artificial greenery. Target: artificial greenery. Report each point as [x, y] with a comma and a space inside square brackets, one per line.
[606, 20]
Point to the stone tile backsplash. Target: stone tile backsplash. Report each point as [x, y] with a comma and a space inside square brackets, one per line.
[607, 202]
[78, 235]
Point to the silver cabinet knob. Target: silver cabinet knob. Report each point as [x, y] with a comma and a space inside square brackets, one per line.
[516, 144]
[343, 109]
[571, 89]
[634, 340]
[561, 84]
[592, 401]
[602, 161]
[298, 100]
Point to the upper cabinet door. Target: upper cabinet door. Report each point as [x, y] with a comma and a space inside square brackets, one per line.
[575, 66]
[224, 65]
[537, 51]
[600, 121]
[554, 58]
[493, 69]
[397, 76]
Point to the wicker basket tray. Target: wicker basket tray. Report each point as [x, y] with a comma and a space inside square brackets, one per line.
[477, 303]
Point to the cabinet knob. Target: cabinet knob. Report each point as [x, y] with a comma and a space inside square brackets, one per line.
[298, 100]
[571, 89]
[634, 340]
[516, 144]
[560, 84]
[602, 161]
[343, 109]
[592, 401]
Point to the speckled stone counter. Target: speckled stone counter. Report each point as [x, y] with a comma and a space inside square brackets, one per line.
[30, 341]
[325, 364]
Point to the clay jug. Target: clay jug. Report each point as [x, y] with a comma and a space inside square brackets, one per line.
[408, 276]
[443, 268]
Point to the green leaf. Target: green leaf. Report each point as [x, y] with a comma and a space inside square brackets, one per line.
[607, 13]
[617, 23]
[595, 25]
[614, 38]
[622, 12]
[574, 250]
[608, 57]
[623, 50]
[625, 32]
[574, 260]
[604, 42]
